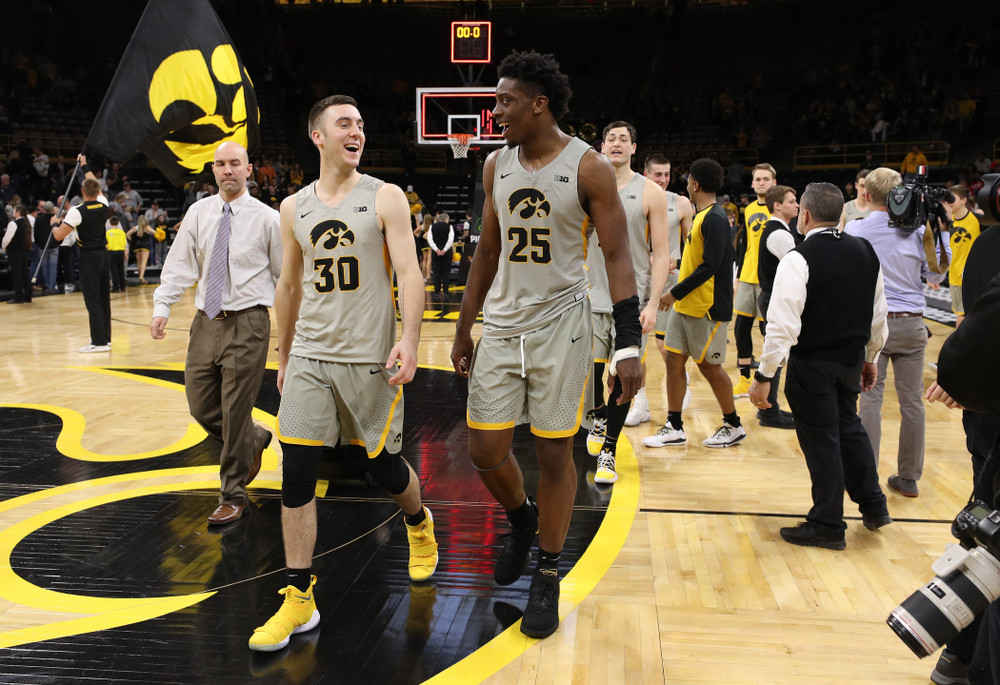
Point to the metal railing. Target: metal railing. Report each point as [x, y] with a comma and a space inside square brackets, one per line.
[851, 156]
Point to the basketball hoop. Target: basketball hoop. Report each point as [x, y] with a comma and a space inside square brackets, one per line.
[460, 144]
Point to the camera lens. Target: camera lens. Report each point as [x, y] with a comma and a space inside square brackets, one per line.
[935, 613]
[988, 199]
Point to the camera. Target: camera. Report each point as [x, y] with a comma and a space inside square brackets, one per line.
[913, 203]
[988, 199]
[967, 580]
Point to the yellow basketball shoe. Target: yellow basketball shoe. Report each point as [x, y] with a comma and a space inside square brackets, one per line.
[297, 614]
[423, 548]
[742, 388]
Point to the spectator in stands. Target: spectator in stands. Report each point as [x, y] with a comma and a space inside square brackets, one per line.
[40, 164]
[916, 158]
[50, 248]
[112, 177]
[7, 189]
[983, 164]
[266, 174]
[295, 175]
[134, 199]
[206, 190]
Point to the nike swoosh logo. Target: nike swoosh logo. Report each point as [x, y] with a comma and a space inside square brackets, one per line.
[304, 215]
[374, 371]
[503, 176]
[304, 599]
[575, 339]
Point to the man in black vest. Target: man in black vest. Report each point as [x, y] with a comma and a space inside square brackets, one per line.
[88, 219]
[776, 240]
[830, 329]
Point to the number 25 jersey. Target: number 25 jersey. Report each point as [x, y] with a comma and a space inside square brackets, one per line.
[348, 313]
[541, 272]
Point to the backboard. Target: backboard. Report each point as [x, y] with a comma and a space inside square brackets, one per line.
[441, 111]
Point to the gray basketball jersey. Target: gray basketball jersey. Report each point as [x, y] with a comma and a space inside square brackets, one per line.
[638, 243]
[348, 313]
[674, 226]
[543, 247]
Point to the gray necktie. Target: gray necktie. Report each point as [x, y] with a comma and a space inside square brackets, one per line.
[218, 268]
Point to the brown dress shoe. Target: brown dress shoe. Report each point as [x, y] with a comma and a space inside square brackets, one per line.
[255, 466]
[226, 513]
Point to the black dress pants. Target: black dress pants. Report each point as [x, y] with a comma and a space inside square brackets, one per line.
[441, 271]
[20, 274]
[823, 397]
[96, 293]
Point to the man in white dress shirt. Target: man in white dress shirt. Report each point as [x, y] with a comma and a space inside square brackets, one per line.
[227, 350]
[830, 331]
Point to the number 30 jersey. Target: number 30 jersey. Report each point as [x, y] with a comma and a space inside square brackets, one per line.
[541, 272]
[348, 313]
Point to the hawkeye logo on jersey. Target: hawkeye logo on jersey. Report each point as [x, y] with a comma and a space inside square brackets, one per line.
[959, 234]
[630, 197]
[528, 202]
[560, 178]
[333, 233]
[359, 210]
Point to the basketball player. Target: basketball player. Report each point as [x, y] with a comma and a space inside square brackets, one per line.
[700, 304]
[339, 366]
[646, 213]
[747, 287]
[534, 359]
[679, 214]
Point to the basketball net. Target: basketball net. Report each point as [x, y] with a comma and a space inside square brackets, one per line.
[460, 144]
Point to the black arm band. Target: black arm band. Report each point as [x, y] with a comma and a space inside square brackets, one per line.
[84, 168]
[760, 378]
[628, 330]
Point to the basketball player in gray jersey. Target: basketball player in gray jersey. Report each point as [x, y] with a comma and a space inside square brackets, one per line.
[646, 216]
[340, 369]
[533, 361]
[679, 217]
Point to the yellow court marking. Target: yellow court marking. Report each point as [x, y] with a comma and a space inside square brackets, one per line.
[69, 443]
[577, 584]
[71, 614]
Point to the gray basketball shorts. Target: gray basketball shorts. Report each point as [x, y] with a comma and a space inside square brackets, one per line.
[661, 314]
[957, 306]
[699, 338]
[322, 402]
[746, 300]
[541, 377]
[604, 338]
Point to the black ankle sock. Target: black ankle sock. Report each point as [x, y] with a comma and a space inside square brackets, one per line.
[675, 420]
[732, 419]
[548, 560]
[745, 370]
[524, 517]
[300, 578]
[415, 519]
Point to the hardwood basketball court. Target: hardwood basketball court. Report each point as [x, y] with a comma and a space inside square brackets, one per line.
[110, 573]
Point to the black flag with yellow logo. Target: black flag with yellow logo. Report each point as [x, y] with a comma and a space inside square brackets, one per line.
[180, 90]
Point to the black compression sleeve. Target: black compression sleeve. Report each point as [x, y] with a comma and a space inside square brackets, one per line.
[628, 330]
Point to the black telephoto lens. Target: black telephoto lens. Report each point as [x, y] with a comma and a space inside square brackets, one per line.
[988, 199]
